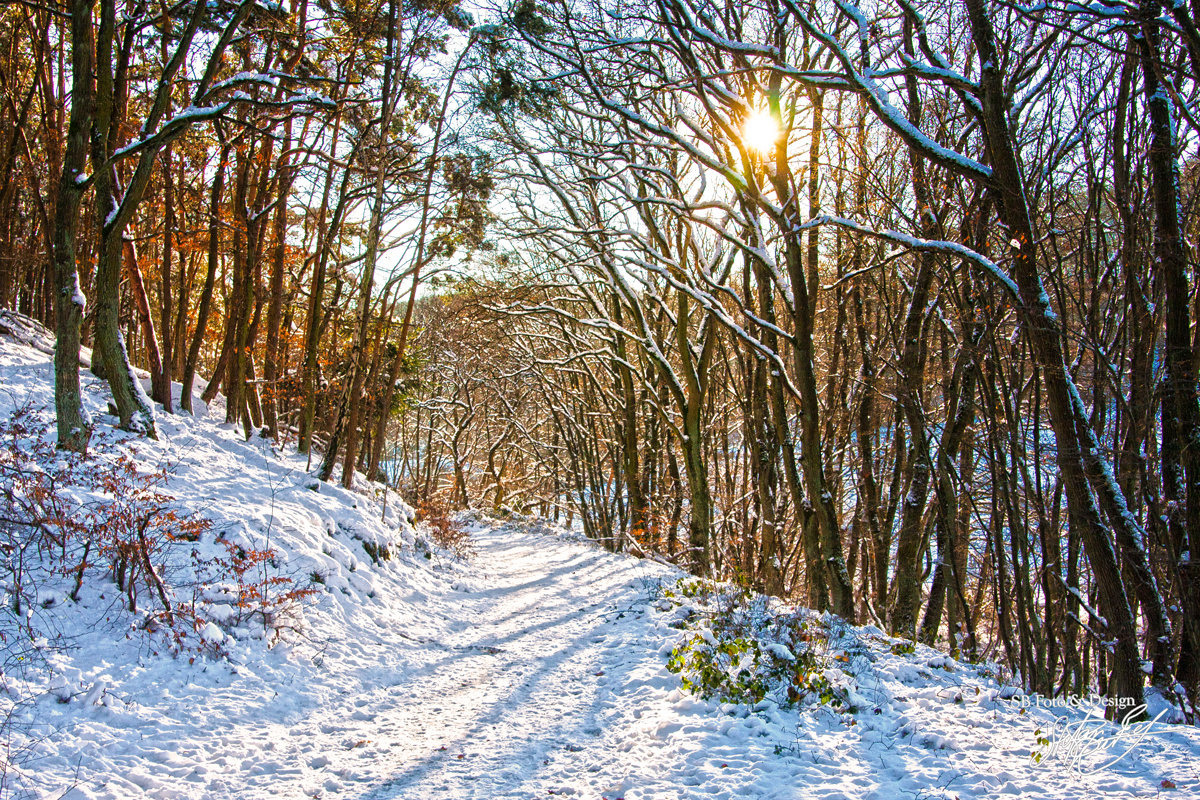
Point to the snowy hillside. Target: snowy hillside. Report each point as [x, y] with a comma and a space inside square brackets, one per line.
[544, 667]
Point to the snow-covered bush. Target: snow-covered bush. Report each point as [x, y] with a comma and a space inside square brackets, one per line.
[741, 650]
[244, 586]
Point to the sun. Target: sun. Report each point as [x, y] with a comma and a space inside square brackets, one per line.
[760, 132]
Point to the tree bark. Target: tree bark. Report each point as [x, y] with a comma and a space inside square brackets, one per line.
[271, 372]
[907, 586]
[210, 281]
[1181, 451]
[74, 428]
[823, 534]
[160, 379]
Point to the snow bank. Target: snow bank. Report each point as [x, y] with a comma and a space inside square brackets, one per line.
[98, 674]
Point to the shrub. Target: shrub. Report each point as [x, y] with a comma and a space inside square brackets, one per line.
[742, 651]
[246, 580]
[447, 532]
[378, 553]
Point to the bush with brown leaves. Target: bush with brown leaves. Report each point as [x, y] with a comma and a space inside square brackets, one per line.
[446, 531]
[65, 518]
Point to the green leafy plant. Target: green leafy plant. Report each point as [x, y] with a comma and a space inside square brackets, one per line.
[732, 670]
[742, 651]
[1039, 752]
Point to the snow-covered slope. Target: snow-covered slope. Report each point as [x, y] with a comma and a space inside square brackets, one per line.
[539, 669]
[104, 685]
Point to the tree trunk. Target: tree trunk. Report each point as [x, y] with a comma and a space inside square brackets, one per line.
[160, 380]
[74, 428]
[1078, 456]
[1181, 452]
[271, 372]
[210, 281]
[312, 326]
[628, 434]
[158, 370]
[133, 406]
[907, 586]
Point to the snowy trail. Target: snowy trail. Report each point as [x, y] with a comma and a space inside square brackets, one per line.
[537, 671]
[520, 687]
[477, 680]
[514, 686]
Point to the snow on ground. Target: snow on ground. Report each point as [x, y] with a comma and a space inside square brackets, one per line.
[539, 669]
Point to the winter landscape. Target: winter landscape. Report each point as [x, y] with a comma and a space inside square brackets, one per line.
[537, 667]
[605, 399]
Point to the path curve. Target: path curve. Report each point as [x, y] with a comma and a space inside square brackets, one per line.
[538, 671]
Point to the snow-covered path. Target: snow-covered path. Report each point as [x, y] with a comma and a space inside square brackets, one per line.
[511, 697]
[485, 680]
[520, 683]
[539, 671]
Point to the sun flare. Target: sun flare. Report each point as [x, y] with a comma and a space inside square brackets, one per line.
[760, 132]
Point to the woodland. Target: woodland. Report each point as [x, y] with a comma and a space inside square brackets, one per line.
[888, 307]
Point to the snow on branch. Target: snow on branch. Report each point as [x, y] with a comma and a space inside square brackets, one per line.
[877, 97]
[924, 245]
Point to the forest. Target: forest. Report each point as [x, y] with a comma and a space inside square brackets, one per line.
[888, 307]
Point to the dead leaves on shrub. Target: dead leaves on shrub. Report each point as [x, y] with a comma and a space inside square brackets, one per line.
[446, 532]
[67, 517]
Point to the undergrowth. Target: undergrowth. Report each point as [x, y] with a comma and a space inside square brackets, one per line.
[70, 523]
[447, 532]
[741, 650]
